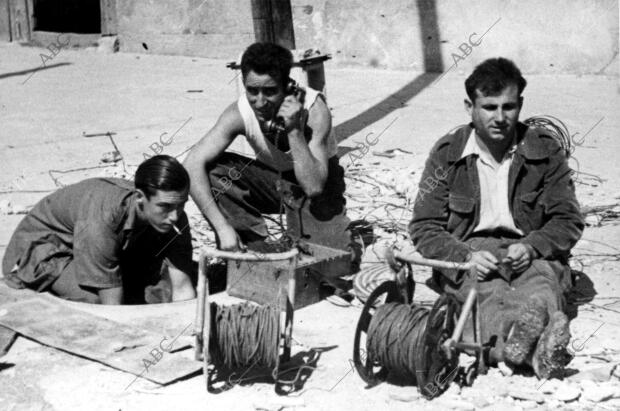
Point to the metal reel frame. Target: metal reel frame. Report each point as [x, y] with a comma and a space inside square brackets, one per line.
[363, 364]
[437, 371]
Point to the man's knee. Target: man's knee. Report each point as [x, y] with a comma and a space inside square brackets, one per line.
[543, 272]
[544, 281]
[89, 297]
[225, 173]
[67, 288]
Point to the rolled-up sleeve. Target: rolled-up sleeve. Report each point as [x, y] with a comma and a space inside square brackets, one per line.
[96, 250]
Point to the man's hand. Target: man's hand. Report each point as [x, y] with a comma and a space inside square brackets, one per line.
[485, 263]
[229, 239]
[291, 111]
[520, 257]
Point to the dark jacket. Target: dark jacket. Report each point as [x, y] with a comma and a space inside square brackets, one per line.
[541, 197]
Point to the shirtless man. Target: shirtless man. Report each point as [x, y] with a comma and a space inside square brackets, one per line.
[293, 167]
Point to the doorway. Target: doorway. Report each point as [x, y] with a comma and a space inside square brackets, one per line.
[67, 16]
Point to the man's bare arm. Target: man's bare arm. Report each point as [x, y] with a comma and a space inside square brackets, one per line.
[181, 284]
[228, 126]
[311, 158]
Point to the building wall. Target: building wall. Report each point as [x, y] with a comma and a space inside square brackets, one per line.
[544, 36]
[5, 30]
[208, 28]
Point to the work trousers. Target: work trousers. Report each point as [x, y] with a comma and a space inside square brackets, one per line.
[503, 296]
[245, 189]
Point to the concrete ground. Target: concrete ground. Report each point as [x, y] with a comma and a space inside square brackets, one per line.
[140, 97]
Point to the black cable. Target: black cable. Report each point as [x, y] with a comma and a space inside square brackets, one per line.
[556, 128]
[395, 335]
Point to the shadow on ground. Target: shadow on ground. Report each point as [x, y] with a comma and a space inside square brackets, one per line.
[291, 376]
[34, 70]
[582, 292]
[433, 67]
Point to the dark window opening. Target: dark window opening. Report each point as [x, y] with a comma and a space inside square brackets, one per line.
[67, 16]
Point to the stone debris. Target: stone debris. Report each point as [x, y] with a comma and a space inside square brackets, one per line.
[567, 393]
[403, 394]
[527, 395]
[466, 360]
[108, 44]
[279, 404]
[19, 209]
[528, 405]
[7, 208]
[493, 384]
[453, 390]
[454, 403]
[552, 404]
[481, 402]
[548, 386]
[117, 346]
[598, 393]
[111, 157]
[599, 373]
[594, 347]
[481, 397]
[593, 220]
[505, 369]
[616, 371]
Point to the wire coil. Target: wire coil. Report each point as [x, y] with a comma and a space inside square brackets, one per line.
[395, 336]
[556, 128]
[244, 334]
[405, 340]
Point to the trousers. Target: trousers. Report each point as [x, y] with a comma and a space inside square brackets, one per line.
[245, 189]
[503, 296]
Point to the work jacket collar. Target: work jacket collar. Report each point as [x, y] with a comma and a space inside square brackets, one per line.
[529, 143]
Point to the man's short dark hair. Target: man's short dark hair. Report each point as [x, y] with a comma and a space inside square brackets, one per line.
[161, 173]
[492, 76]
[267, 58]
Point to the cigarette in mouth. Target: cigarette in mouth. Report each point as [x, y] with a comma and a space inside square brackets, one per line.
[176, 229]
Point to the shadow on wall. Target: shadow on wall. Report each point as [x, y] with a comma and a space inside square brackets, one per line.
[433, 65]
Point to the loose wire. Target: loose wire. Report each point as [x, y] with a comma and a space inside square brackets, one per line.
[556, 128]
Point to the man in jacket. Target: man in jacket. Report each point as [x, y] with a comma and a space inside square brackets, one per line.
[500, 195]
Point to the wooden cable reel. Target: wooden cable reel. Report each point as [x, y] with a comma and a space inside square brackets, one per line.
[436, 355]
[433, 364]
[202, 326]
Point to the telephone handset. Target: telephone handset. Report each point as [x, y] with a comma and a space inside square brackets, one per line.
[291, 89]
